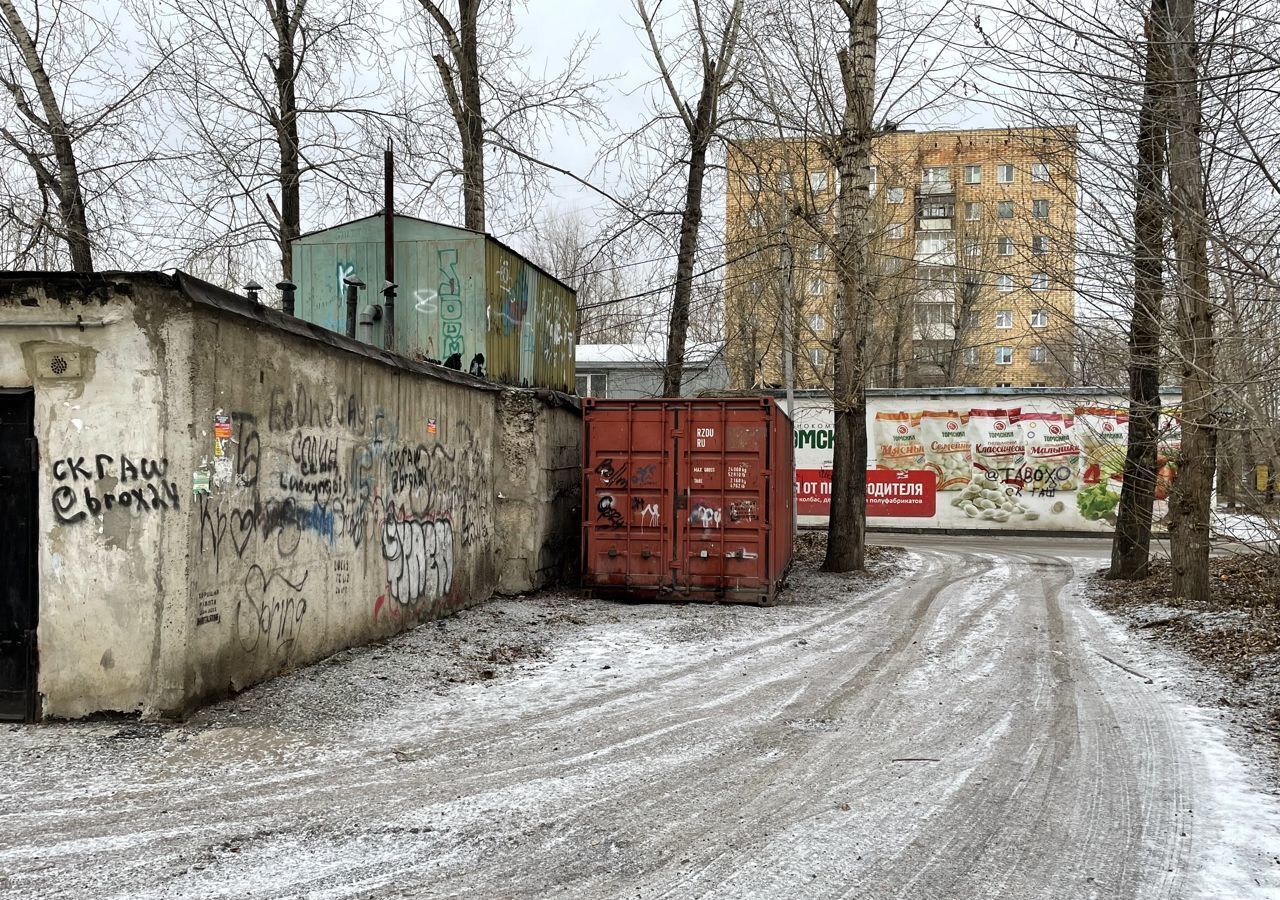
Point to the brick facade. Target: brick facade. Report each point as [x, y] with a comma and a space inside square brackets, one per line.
[976, 259]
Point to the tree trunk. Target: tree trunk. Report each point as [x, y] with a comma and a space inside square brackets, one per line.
[286, 75]
[690, 223]
[846, 536]
[71, 208]
[1131, 546]
[471, 125]
[1194, 486]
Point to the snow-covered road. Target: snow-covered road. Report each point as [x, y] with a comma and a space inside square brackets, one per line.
[964, 728]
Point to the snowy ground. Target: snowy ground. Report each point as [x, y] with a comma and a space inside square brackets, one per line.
[963, 728]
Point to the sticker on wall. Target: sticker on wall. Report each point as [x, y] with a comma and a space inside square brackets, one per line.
[207, 610]
[221, 434]
[199, 482]
[431, 426]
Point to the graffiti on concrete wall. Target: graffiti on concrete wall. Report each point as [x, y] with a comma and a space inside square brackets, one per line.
[93, 486]
[419, 556]
[271, 612]
[324, 469]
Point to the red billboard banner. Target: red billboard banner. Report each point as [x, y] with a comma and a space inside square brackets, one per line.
[813, 492]
[910, 493]
[898, 493]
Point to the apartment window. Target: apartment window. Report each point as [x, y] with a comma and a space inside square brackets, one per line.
[785, 182]
[1005, 384]
[973, 174]
[818, 251]
[816, 287]
[1004, 246]
[937, 175]
[930, 244]
[1039, 172]
[970, 356]
[894, 195]
[1039, 318]
[894, 232]
[871, 184]
[1004, 283]
[753, 183]
[817, 324]
[1004, 173]
[972, 211]
[818, 181]
[1040, 209]
[1039, 281]
[592, 384]
[1039, 245]
[1038, 354]
[815, 357]
[1004, 318]
[934, 313]
[1004, 209]
[972, 247]
[1039, 384]
[1004, 357]
[754, 219]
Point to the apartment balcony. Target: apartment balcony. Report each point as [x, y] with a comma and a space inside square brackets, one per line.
[930, 255]
[933, 224]
[933, 332]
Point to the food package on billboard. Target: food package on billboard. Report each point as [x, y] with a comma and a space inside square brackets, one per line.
[996, 444]
[1168, 453]
[945, 439]
[1053, 457]
[898, 441]
[1103, 435]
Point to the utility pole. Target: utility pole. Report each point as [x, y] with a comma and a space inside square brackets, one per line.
[788, 332]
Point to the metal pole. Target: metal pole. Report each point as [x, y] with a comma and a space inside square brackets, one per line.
[389, 250]
[788, 332]
[788, 311]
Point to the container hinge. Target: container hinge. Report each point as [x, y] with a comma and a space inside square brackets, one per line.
[682, 501]
[613, 551]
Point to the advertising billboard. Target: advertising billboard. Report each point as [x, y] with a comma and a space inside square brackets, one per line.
[966, 459]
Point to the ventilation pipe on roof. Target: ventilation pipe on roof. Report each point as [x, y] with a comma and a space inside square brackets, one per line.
[287, 289]
[353, 285]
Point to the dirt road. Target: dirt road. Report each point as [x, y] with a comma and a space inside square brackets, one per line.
[961, 729]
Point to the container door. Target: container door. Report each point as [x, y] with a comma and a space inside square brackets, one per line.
[18, 604]
[627, 500]
[728, 479]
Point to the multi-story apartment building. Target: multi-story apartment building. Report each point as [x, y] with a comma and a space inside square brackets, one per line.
[973, 241]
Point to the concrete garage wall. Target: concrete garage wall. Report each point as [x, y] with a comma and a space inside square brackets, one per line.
[291, 494]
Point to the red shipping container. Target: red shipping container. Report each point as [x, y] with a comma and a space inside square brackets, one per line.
[688, 499]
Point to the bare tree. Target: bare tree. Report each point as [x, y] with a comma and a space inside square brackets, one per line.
[494, 102]
[1131, 548]
[1190, 529]
[72, 150]
[712, 30]
[283, 108]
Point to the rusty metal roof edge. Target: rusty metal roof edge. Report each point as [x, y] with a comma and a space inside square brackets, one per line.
[211, 296]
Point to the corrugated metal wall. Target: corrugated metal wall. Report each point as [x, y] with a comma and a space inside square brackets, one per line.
[459, 292]
[532, 322]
